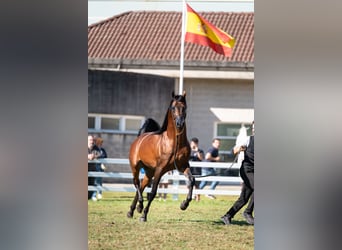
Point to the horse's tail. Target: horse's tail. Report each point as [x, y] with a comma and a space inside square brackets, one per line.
[150, 125]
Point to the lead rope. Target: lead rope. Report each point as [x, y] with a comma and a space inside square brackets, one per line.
[174, 160]
[231, 165]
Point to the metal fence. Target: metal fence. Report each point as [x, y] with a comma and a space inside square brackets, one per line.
[228, 182]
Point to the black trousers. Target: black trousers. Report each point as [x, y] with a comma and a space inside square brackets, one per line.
[91, 180]
[247, 193]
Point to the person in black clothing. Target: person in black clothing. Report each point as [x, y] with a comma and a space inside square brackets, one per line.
[93, 153]
[197, 154]
[100, 167]
[247, 175]
[212, 155]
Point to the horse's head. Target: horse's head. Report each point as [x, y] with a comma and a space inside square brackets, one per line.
[178, 109]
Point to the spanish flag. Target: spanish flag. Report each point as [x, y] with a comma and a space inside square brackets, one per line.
[200, 31]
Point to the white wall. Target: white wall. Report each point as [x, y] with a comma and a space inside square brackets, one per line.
[203, 94]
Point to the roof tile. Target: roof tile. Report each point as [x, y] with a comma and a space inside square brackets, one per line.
[155, 36]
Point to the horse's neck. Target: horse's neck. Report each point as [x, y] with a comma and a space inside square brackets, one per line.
[183, 137]
[171, 129]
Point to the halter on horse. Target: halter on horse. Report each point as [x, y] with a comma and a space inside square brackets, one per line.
[159, 152]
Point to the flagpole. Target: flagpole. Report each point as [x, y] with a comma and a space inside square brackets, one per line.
[182, 48]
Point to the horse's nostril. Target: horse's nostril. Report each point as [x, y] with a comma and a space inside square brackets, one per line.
[179, 122]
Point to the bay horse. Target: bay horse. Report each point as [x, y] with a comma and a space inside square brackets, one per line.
[160, 151]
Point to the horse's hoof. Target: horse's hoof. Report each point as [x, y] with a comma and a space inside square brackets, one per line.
[129, 214]
[139, 209]
[184, 205]
[142, 219]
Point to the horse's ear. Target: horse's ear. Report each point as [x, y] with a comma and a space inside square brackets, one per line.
[184, 93]
[173, 94]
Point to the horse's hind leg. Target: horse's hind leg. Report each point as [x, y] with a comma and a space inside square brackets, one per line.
[144, 183]
[133, 205]
[141, 200]
[191, 181]
[136, 183]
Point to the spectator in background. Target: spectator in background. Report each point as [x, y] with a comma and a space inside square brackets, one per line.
[100, 167]
[247, 175]
[93, 153]
[211, 156]
[197, 154]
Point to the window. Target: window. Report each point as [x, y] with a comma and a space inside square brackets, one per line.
[133, 124]
[227, 133]
[91, 122]
[121, 124]
[109, 123]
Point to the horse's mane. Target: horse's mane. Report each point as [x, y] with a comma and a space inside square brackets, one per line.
[149, 125]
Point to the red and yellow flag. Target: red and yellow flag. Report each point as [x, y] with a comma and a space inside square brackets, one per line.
[200, 31]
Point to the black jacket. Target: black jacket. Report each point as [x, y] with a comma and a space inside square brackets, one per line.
[248, 161]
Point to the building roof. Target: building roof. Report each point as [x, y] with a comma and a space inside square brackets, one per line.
[153, 38]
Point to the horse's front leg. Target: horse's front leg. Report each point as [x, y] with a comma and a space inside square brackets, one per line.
[190, 186]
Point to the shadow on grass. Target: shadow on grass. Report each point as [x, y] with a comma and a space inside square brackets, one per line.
[234, 222]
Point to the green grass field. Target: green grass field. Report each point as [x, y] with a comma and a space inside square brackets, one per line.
[167, 226]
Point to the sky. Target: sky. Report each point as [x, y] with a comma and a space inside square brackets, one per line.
[100, 10]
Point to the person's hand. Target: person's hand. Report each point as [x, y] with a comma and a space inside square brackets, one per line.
[91, 156]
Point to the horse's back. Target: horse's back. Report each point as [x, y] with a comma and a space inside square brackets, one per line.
[144, 148]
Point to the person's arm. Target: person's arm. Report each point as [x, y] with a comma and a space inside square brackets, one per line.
[96, 152]
[103, 153]
[241, 147]
[200, 154]
[209, 157]
[91, 156]
[238, 149]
